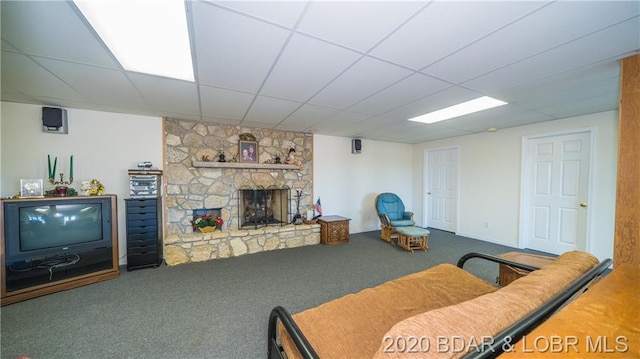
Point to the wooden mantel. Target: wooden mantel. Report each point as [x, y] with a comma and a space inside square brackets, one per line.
[240, 165]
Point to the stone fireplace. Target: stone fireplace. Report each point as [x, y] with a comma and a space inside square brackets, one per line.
[195, 180]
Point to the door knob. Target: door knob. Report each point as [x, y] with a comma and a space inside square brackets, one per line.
[583, 204]
[429, 193]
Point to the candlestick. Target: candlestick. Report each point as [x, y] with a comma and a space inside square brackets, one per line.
[71, 168]
[55, 164]
[49, 165]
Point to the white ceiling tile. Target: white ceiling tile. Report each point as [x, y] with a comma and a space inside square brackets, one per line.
[285, 13]
[308, 115]
[495, 117]
[406, 91]
[22, 75]
[223, 103]
[52, 29]
[599, 75]
[583, 105]
[182, 116]
[164, 94]
[575, 54]
[517, 42]
[422, 133]
[292, 50]
[445, 27]
[7, 46]
[239, 59]
[222, 120]
[363, 79]
[357, 25]
[569, 95]
[436, 101]
[305, 67]
[338, 121]
[97, 83]
[371, 125]
[269, 111]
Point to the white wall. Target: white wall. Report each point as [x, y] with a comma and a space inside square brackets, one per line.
[490, 168]
[348, 183]
[104, 146]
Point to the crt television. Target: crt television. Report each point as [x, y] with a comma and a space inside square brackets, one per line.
[40, 228]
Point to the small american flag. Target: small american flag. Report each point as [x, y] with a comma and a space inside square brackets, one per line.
[318, 207]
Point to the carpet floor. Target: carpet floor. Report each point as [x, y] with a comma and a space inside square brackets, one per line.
[218, 308]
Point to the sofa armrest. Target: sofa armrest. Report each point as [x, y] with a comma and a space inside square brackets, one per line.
[279, 314]
[515, 332]
[495, 259]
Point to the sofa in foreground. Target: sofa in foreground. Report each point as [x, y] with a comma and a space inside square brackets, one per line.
[441, 312]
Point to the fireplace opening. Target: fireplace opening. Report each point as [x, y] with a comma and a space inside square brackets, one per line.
[260, 207]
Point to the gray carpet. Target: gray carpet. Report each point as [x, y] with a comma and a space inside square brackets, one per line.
[214, 309]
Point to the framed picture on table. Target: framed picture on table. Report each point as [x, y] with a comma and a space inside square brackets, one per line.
[31, 188]
[248, 151]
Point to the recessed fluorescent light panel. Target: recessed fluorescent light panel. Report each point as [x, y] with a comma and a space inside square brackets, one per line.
[465, 108]
[148, 36]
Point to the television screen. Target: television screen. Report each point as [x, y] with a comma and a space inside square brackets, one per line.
[59, 225]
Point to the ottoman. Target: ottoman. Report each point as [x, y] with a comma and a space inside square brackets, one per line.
[411, 238]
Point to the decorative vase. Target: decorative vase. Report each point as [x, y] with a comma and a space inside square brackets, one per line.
[208, 229]
[61, 191]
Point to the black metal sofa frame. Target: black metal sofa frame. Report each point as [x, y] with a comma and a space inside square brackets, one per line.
[490, 350]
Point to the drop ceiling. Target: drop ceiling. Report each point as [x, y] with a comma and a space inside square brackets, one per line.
[339, 68]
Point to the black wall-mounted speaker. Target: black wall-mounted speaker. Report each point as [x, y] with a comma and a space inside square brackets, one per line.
[54, 120]
[356, 145]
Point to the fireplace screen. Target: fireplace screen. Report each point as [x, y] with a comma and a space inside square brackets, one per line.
[261, 207]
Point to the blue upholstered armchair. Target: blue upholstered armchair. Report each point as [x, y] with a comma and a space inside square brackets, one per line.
[392, 214]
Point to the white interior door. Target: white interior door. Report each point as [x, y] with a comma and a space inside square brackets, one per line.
[556, 175]
[441, 204]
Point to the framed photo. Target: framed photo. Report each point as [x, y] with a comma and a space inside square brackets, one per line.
[248, 151]
[30, 188]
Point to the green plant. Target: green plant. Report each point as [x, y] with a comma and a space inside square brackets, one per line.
[207, 220]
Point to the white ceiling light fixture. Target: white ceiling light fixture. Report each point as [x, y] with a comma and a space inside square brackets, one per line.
[465, 108]
[148, 36]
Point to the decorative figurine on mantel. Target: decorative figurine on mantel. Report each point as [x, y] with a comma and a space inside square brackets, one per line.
[291, 158]
[92, 188]
[221, 157]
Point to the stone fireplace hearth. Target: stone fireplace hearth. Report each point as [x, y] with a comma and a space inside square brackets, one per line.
[192, 183]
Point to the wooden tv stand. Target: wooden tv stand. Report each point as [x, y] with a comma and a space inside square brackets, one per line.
[84, 276]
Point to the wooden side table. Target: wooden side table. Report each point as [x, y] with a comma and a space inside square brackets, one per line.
[334, 229]
[508, 274]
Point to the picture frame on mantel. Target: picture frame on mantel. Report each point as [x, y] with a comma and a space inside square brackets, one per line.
[31, 188]
[248, 151]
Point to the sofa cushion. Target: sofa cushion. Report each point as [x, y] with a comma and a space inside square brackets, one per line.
[402, 223]
[448, 332]
[352, 326]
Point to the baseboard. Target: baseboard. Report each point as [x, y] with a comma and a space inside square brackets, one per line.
[462, 234]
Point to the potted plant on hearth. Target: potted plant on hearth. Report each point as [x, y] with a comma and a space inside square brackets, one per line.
[206, 223]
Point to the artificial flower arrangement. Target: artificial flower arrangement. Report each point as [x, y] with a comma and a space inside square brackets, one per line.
[207, 220]
[92, 188]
